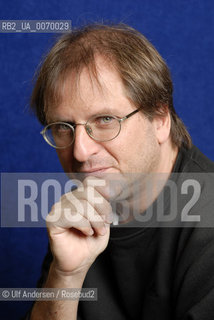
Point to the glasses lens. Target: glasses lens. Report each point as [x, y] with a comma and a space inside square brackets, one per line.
[59, 134]
[103, 128]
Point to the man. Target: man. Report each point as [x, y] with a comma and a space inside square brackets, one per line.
[104, 95]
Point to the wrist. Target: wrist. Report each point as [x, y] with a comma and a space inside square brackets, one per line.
[62, 279]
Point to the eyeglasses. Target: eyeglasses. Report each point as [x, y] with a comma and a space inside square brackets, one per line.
[102, 128]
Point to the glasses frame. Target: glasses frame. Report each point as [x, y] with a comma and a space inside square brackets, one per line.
[73, 127]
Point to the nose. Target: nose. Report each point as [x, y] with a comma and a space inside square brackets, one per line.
[84, 146]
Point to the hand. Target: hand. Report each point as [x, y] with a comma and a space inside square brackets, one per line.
[79, 227]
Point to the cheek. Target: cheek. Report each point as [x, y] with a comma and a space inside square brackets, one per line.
[126, 147]
[136, 148]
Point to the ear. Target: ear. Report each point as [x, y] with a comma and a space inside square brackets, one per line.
[162, 126]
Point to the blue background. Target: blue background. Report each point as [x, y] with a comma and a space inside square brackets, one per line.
[182, 31]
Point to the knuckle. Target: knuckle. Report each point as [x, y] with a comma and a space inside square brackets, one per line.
[54, 208]
[67, 197]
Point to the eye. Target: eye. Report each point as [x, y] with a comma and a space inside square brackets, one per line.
[63, 127]
[104, 120]
[60, 128]
[107, 119]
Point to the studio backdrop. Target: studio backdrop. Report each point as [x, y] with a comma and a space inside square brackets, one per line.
[183, 33]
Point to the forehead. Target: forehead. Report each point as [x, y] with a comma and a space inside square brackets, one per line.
[86, 93]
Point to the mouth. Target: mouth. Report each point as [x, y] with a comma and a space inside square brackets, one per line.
[95, 172]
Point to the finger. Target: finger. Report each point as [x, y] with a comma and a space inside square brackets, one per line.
[101, 205]
[95, 219]
[59, 221]
[101, 185]
[86, 211]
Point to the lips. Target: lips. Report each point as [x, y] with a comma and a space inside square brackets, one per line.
[94, 171]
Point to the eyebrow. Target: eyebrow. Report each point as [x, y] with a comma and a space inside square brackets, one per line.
[104, 111]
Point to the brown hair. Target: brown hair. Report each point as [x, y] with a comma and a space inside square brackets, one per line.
[143, 72]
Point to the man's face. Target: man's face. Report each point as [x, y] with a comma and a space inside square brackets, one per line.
[135, 149]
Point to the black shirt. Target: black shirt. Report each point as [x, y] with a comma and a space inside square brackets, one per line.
[155, 273]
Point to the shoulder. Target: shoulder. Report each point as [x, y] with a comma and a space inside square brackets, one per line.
[194, 264]
[195, 161]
